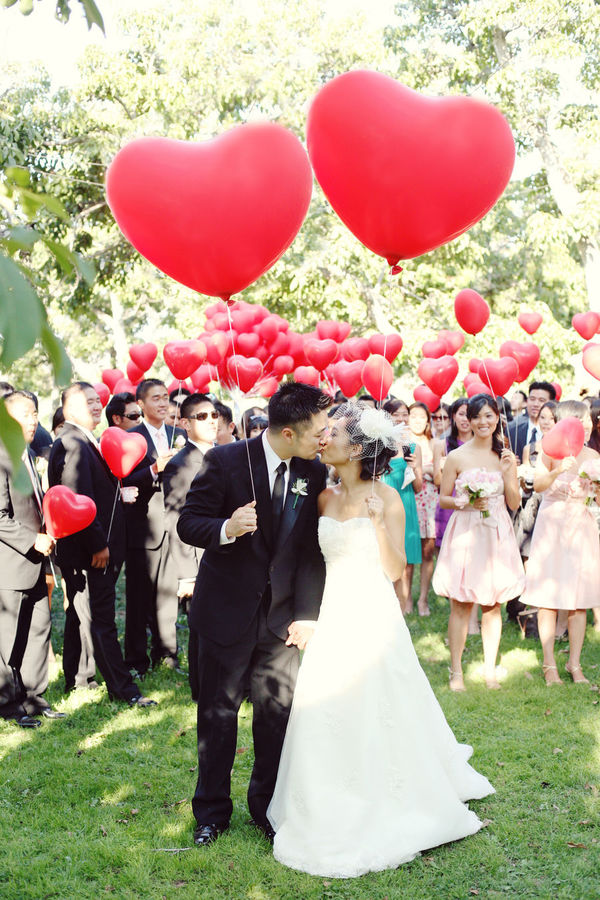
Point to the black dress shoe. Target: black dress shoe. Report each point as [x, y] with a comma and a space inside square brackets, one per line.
[142, 701]
[52, 714]
[206, 834]
[266, 829]
[27, 722]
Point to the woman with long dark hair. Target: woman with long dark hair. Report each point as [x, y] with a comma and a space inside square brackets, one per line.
[419, 422]
[479, 560]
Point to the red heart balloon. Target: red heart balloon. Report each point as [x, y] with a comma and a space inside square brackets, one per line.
[103, 392]
[307, 375]
[434, 349]
[184, 357]
[198, 211]
[344, 329]
[566, 438]
[280, 345]
[327, 330]
[470, 378]
[282, 365]
[242, 320]
[406, 173]
[143, 355]
[377, 376]
[586, 324]
[177, 384]
[268, 329]
[355, 348]
[526, 355]
[348, 376]
[558, 390]
[320, 353]
[474, 364]
[438, 374]
[244, 372]
[247, 343]
[477, 387]
[110, 378]
[423, 394]
[471, 311]
[201, 378]
[66, 512]
[122, 450]
[124, 386]
[134, 373]
[530, 321]
[387, 345]
[498, 374]
[267, 387]
[216, 347]
[591, 360]
[454, 340]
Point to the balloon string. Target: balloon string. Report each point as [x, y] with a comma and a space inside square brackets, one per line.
[112, 515]
[380, 394]
[176, 415]
[489, 384]
[237, 378]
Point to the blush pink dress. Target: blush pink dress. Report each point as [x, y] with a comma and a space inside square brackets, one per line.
[479, 560]
[563, 571]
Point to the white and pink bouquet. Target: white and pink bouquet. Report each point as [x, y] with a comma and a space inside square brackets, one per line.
[475, 484]
[589, 477]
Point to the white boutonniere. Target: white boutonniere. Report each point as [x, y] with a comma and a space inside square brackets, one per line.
[180, 442]
[299, 488]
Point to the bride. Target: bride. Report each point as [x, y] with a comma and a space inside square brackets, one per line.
[370, 772]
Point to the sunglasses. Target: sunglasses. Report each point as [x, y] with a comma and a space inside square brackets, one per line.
[203, 416]
[133, 416]
[440, 418]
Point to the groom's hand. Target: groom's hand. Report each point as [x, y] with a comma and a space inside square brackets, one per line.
[242, 521]
[299, 635]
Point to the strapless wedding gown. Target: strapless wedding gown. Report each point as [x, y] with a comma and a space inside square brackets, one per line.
[370, 772]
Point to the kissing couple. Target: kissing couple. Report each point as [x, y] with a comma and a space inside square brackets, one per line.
[355, 767]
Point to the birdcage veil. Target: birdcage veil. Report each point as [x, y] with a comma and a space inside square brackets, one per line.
[371, 431]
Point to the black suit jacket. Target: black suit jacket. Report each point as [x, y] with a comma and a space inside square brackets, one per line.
[517, 435]
[233, 578]
[177, 479]
[146, 517]
[20, 522]
[77, 463]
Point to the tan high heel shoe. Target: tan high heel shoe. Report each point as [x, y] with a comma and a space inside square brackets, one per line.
[572, 669]
[457, 686]
[557, 680]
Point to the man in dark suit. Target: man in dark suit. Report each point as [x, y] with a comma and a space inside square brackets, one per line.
[90, 560]
[200, 420]
[24, 610]
[151, 589]
[523, 430]
[259, 587]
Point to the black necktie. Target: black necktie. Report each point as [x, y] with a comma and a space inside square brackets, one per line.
[277, 498]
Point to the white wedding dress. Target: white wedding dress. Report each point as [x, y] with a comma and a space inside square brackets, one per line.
[370, 772]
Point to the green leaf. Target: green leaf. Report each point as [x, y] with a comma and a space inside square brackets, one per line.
[26, 7]
[20, 238]
[18, 175]
[32, 202]
[21, 313]
[12, 438]
[86, 268]
[92, 14]
[6, 3]
[62, 255]
[55, 349]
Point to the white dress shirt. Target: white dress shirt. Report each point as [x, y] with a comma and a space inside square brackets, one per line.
[159, 437]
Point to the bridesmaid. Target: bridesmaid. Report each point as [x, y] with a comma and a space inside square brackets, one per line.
[420, 425]
[406, 461]
[479, 560]
[563, 567]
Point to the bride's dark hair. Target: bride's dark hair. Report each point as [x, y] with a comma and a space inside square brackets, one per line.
[474, 407]
[375, 456]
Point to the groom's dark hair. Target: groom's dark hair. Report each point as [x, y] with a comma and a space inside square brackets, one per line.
[295, 404]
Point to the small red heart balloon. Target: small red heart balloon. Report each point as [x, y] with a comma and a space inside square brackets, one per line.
[348, 376]
[498, 374]
[423, 394]
[478, 387]
[388, 345]
[143, 355]
[184, 357]
[103, 392]
[474, 364]
[327, 330]
[434, 349]
[198, 211]
[591, 360]
[267, 387]
[66, 512]
[438, 374]
[124, 386]
[471, 311]
[283, 365]
[377, 376]
[110, 378]
[470, 378]
[307, 375]
[216, 347]
[244, 372]
[454, 340]
[281, 344]
[355, 348]
[558, 390]
[526, 355]
[201, 378]
[320, 353]
[530, 321]
[177, 384]
[268, 329]
[134, 373]
[122, 450]
[566, 438]
[247, 343]
[344, 329]
[586, 324]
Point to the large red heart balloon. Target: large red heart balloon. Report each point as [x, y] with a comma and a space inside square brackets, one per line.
[110, 377]
[320, 353]
[184, 357]
[438, 374]
[586, 324]
[377, 376]
[355, 348]
[454, 340]
[244, 372]
[498, 374]
[388, 345]
[566, 438]
[143, 355]
[66, 512]
[122, 450]
[530, 321]
[591, 360]
[213, 216]
[434, 349]
[348, 376]
[103, 392]
[423, 394]
[406, 173]
[471, 311]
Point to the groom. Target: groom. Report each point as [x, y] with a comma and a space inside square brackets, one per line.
[257, 593]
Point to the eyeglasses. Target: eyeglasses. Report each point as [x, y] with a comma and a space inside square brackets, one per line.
[203, 416]
[133, 416]
[440, 418]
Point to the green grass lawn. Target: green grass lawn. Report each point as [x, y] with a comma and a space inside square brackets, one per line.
[91, 805]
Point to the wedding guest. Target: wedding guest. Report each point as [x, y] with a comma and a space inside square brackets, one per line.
[565, 543]
[524, 430]
[420, 425]
[518, 402]
[366, 400]
[594, 441]
[122, 411]
[172, 416]
[545, 423]
[58, 420]
[24, 610]
[257, 425]
[406, 477]
[226, 432]
[6, 388]
[479, 560]
[200, 420]
[151, 585]
[246, 416]
[440, 422]
[91, 559]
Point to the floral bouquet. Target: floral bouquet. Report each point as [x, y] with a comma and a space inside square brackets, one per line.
[474, 485]
[589, 477]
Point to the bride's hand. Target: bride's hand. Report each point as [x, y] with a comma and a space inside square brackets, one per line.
[375, 509]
